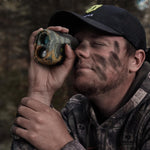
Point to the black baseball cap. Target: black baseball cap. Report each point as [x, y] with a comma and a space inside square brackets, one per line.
[107, 18]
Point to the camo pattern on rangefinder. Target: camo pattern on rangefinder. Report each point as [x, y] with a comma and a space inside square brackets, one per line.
[49, 46]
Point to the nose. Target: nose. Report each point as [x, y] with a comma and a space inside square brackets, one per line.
[82, 51]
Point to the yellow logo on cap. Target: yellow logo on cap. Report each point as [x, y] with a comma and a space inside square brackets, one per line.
[94, 7]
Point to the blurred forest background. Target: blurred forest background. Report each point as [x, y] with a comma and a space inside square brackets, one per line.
[18, 18]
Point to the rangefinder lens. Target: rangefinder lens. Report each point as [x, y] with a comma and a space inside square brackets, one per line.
[44, 39]
[42, 52]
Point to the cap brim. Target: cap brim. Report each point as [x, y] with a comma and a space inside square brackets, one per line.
[74, 21]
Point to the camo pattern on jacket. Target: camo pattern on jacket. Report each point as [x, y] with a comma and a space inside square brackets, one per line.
[127, 129]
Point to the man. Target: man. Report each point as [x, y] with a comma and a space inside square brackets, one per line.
[112, 110]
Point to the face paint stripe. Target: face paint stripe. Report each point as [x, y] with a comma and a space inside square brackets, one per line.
[116, 47]
[114, 60]
[101, 74]
[100, 59]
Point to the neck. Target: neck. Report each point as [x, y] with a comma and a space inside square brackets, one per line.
[107, 103]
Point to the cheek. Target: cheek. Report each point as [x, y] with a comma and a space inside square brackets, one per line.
[102, 66]
[99, 66]
[97, 59]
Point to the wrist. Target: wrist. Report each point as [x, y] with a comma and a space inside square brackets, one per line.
[42, 96]
[65, 142]
[73, 145]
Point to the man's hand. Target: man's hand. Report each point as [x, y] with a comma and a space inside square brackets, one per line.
[43, 80]
[42, 126]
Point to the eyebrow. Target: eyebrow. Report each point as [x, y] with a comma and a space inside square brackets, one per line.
[101, 37]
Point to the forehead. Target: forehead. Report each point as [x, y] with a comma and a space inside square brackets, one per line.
[100, 35]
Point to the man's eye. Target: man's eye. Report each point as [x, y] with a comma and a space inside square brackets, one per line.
[97, 44]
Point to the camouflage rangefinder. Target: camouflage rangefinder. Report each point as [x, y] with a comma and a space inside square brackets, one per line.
[49, 46]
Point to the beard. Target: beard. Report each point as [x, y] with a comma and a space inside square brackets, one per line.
[86, 88]
[88, 85]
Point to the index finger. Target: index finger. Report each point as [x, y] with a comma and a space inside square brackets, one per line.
[59, 28]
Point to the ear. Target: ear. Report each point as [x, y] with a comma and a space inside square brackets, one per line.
[136, 60]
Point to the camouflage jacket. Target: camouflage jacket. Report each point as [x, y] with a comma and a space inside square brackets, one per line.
[126, 129]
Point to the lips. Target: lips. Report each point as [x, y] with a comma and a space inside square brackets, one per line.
[82, 66]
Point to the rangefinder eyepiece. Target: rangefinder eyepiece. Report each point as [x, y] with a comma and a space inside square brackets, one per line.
[49, 46]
